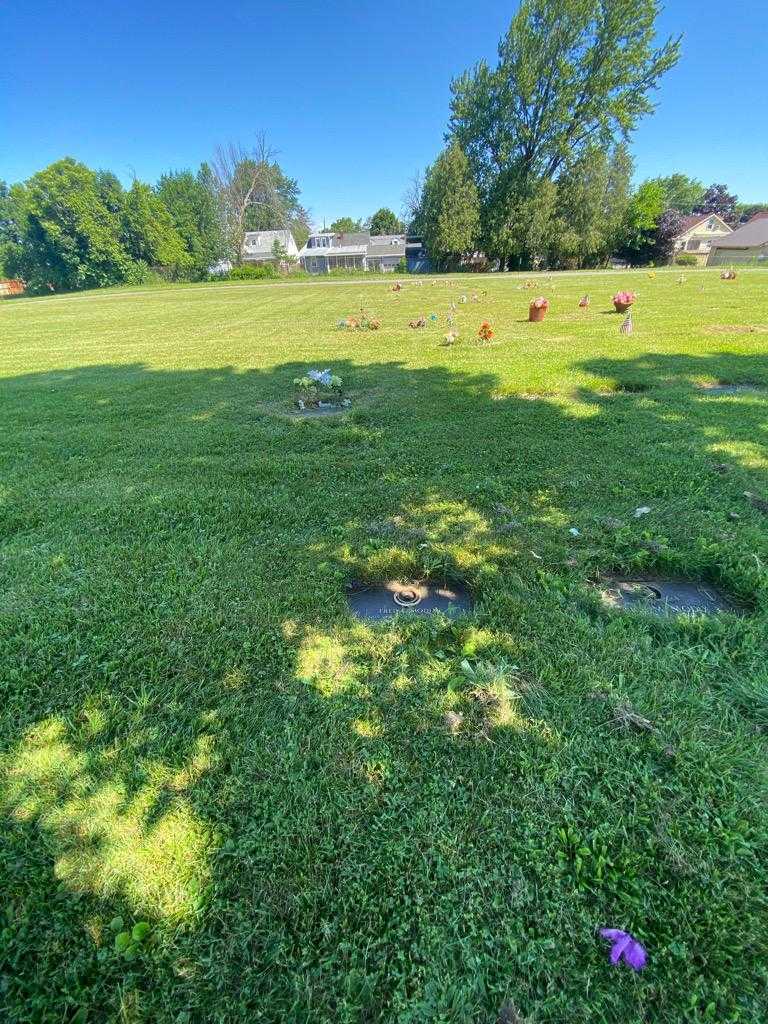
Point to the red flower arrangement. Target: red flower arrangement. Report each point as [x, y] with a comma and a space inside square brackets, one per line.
[486, 331]
[538, 309]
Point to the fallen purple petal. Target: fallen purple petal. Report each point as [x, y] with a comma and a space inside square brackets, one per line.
[625, 946]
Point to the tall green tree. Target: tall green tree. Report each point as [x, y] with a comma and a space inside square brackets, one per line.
[642, 222]
[10, 228]
[592, 201]
[450, 207]
[191, 203]
[69, 238]
[345, 225]
[570, 73]
[681, 192]
[148, 231]
[519, 225]
[385, 222]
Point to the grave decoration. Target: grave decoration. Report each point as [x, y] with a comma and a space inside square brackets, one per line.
[396, 287]
[584, 302]
[433, 317]
[728, 275]
[626, 324]
[462, 299]
[623, 300]
[419, 322]
[538, 309]
[625, 946]
[319, 389]
[681, 279]
[450, 338]
[363, 322]
[475, 297]
[485, 333]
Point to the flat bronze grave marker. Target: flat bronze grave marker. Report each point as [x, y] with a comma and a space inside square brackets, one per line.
[665, 597]
[382, 601]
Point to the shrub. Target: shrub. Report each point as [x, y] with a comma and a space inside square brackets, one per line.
[686, 259]
[251, 272]
[401, 266]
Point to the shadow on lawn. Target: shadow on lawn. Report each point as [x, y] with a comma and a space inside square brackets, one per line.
[197, 732]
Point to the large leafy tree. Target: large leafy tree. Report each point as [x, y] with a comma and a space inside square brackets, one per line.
[253, 194]
[69, 239]
[345, 224]
[642, 221]
[717, 199]
[191, 203]
[681, 192]
[148, 231]
[10, 229]
[570, 73]
[592, 200]
[385, 222]
[668, 228]
[450, 207]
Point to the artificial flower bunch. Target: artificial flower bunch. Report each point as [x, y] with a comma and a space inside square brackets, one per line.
[318, 386]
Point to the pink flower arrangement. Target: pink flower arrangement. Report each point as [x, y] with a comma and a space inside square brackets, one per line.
[540, 303]
[623, 300]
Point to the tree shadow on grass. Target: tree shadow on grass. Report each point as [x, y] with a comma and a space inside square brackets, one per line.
[343, 822]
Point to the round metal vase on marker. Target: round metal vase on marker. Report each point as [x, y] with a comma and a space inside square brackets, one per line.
[376, 602]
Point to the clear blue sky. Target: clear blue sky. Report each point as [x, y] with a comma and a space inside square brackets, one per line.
[353, 93]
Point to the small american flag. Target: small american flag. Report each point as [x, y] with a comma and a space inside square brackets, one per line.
[626, 326]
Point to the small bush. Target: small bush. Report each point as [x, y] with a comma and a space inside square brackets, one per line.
[251, 272]
[686, 259]
[402, 266]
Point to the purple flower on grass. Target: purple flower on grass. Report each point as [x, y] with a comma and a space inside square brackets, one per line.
[320, 377]
[625, 946]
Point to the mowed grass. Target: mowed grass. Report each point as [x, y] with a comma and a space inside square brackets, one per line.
[421, 821]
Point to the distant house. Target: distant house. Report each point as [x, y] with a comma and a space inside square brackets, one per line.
[697, 234]
[749, 244]
[359, 250]
[385, 252]
[258, 246]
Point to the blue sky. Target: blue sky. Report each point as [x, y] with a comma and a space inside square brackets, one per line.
[352, 93]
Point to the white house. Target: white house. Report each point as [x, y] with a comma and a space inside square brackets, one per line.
[354, 250]
[258, 246]
[697, 234]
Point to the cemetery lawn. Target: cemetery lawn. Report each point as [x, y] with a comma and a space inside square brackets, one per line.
[420, 822]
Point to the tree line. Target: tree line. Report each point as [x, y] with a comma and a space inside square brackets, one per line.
[537, 169]
[69, 227]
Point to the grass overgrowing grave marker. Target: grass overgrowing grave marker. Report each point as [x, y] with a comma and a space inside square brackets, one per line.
[665, 596]
[381, 601]
[730, 388]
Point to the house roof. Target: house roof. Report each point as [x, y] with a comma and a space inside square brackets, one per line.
[694, 219]
[335, 250]
[760, 215]
[754, 232]
[259, 243]
[387, 245]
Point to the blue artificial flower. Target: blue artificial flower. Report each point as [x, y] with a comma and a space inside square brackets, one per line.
[320, 377]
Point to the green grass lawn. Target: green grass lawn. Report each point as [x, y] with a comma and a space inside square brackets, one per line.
[416, 822]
